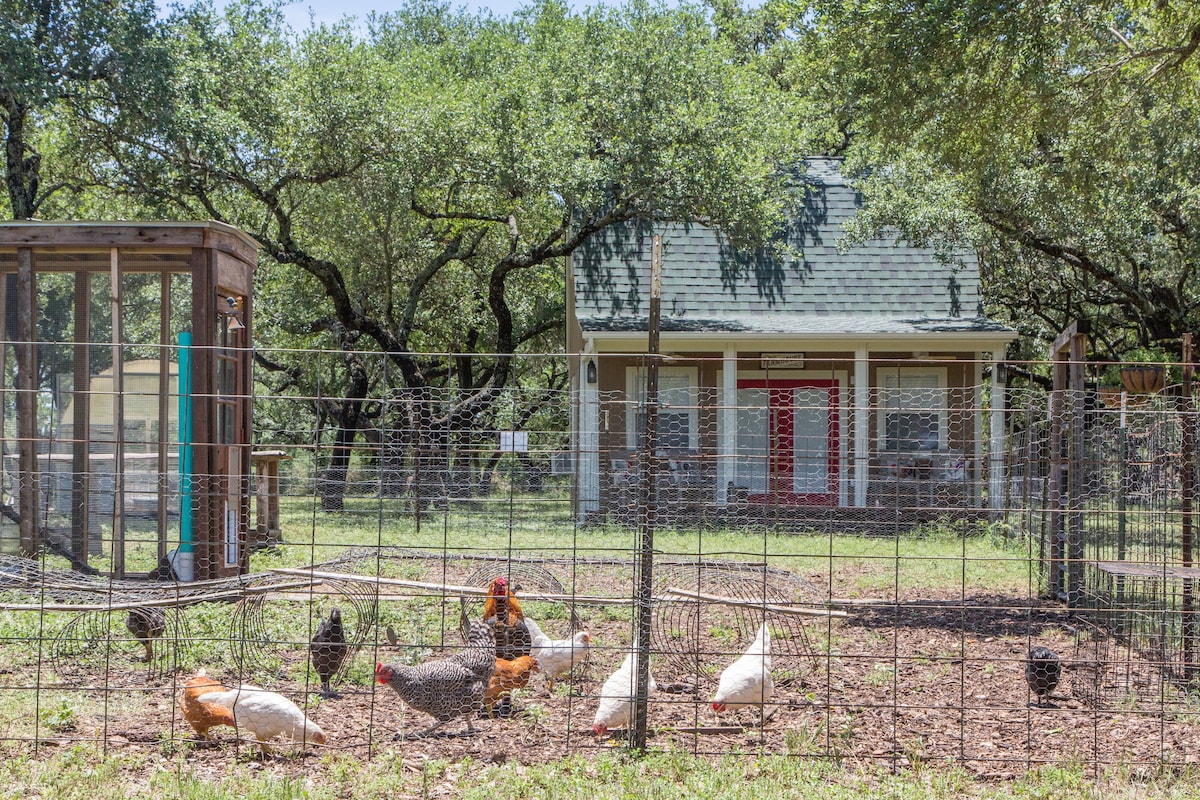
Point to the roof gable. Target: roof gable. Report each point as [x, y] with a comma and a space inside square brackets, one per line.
[882, 284]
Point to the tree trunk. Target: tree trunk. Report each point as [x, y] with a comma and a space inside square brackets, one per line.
[21, 173]
[430, 453]
[332, 484]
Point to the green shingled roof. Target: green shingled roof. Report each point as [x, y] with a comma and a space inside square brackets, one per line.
[880, 286]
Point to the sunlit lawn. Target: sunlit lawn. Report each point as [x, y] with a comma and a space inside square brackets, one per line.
[940, 558]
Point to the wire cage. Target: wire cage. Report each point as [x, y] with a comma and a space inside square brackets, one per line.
[905, 556]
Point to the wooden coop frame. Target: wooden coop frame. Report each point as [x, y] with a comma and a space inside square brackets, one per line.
[214, 380]
[1068, 352]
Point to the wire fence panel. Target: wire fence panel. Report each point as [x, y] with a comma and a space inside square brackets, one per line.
[840, 570]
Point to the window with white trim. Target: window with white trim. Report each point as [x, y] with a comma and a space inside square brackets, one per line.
[912, 409]
[678, 411]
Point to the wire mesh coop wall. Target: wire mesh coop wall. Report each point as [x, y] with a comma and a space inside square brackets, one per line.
[898, 550]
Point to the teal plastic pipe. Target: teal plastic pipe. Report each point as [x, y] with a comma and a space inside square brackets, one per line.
[185, 442]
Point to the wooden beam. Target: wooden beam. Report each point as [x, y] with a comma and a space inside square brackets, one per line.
[1062, 342]
[118, 400]
[173, 601]
[458, 590]
[174, 237]
[774, 608]
[164, 406]
[27, 474]
[81, 422]
[1075, 470]
[208, 515]
[5, 338]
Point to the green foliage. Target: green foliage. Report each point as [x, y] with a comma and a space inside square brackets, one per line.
[1058, 138]
[431, 208]
[63, 63]
[60, 717]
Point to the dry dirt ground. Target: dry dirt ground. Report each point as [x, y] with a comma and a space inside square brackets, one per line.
[933, 680]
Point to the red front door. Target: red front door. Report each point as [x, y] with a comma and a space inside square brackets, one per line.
[788, 440]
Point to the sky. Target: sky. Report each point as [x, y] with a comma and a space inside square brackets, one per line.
[297, 13]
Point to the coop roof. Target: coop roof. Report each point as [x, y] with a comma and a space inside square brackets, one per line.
[67, 237]
[883, 286]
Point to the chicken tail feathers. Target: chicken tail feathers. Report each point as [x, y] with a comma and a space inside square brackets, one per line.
[225, 698]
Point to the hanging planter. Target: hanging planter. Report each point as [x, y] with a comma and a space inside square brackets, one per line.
[1146, 379]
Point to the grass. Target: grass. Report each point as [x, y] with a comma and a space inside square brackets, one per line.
[945, 556]
[944, 559]
[84, 773]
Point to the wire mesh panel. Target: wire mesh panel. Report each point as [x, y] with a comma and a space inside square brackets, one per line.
[841, 570]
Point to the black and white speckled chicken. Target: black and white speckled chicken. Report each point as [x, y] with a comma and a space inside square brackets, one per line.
[329, 649]
[146, 625]
[448, 688]
[1043, 669]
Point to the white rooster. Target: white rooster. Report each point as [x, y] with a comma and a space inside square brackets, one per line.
[557, 657]
[617, 696]
[266, 715]
[747, 681]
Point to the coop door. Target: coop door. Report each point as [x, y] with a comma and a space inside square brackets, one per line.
[787, 451]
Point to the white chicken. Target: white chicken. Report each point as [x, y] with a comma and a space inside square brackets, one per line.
[747, 681]
[617, 696]
[266, 715]
[557, 657]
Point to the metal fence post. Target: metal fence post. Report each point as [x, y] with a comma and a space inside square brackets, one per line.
[649, 510]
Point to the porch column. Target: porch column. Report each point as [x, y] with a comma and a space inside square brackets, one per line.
[727, 428]
[862, 424]
[975, 492]
[997, 480]
[589, 438]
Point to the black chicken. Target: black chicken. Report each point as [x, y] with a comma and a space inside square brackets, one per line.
[1042, 670]
[329, 649]
[146, 625]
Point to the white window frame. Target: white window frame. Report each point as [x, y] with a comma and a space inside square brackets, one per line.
[635, 377]
[896, 379]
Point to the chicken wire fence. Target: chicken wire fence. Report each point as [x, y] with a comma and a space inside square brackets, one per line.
[906, 529]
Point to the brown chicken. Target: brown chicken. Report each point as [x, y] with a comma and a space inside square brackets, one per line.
[502, 612]
[508, 677]
[146, 624]
[203, 716]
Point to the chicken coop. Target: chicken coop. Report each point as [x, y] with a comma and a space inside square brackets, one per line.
[125, 387]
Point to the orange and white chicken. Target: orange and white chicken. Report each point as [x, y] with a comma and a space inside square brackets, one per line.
[508, 677]
[747, 681]
[266, 715]
[557, 657]
[203, 716]
[617, 697]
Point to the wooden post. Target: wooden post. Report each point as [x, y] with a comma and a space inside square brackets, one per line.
[164, 407]
[1186, 511]
[27, 475]
[266, 486]
[5, 337]
[81, 422]
[207, 509]
[1066, 465]
[1075, 476]
[118, 399]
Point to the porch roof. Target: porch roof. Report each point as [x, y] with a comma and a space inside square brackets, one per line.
[797, 324]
